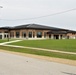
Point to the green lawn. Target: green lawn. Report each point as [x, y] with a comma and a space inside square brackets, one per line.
[39, 52]
[4, 40]
[63, 45]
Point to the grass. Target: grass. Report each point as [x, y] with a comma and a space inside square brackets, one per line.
[3, 40]
[39, 52]
[6, 40]
[68, 45]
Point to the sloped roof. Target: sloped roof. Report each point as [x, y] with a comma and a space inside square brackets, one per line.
[71, 31]
[35, 26]
[57, 32]
[5, 27]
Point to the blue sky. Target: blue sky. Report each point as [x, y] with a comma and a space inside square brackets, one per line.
[23, 9]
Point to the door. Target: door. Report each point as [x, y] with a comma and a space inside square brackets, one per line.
[56, 36]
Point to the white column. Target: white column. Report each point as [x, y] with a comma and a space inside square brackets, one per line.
[35, 34]
[27, 34]
[20, 34]
[2, 35]
[52, 36]
[59, 37]
[14, 34]
[42, 34]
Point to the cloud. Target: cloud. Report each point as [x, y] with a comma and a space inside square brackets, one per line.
[20, 9]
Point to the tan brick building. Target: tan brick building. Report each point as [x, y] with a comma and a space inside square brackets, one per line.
[35, 31]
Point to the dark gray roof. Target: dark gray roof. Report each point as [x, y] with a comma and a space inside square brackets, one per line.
[57, 32]
[5, 27]
[42, 27]
[36, 26]
[71, 31]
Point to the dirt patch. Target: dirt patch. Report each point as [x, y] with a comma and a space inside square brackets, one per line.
[51, 59]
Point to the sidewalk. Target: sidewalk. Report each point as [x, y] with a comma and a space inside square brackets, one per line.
[41, 49]
[6, 44]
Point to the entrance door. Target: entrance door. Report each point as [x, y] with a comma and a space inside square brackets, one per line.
[56, 36]
[60, 36]
[50, 36]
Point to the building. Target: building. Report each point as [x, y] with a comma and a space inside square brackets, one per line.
[35, 31]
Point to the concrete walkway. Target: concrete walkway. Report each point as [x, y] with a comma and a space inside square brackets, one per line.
[41, 49]
[5, 44]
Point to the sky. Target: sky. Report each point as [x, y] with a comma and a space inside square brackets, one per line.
[15, 12]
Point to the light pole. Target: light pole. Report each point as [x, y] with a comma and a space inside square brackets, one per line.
[8, 33]
[1, 6]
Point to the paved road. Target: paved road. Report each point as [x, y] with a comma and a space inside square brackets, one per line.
[11, 64]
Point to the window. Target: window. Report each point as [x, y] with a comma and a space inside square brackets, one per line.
[24, 34]
[17, 34]
[4, 36]
[30, 34]
[0, 36]
[39, 34]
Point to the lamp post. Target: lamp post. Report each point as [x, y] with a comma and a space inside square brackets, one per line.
[1, 6]
[8, 33]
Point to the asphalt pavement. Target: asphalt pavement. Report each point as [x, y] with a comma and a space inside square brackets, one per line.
[12, 64]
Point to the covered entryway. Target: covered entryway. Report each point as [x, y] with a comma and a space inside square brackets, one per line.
[49, 35]
[3, 35]
[56, 36]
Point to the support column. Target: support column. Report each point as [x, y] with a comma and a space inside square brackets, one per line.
[2, 35]
[59, 37]
[27, 34]
[14, 34]
[35, 34]
[9, 35]
[52, 36]
[20, 34]
[43, 34]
